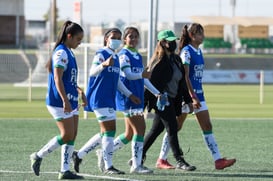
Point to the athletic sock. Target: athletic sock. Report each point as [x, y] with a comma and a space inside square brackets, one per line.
[107, 145]
[90, 145]
[52, 145]
[211, 144]
[137, 150]
[165, 147]
[67, 150]
[120, 141]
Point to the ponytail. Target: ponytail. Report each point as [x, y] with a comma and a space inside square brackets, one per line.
[68, 27]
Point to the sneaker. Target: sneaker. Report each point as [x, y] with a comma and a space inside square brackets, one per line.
[100, 160]
[163, 164]
[141, 170]
[69, 175]
[130, 162]
[35, 163]
[223, 163]
[183, 165]
[113, 170]
[77, 161]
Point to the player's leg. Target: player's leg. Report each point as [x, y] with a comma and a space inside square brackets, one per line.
[203, 118]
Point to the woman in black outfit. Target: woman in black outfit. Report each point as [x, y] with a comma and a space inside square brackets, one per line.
[168, 75]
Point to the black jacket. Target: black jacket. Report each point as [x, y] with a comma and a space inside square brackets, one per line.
[161, 75]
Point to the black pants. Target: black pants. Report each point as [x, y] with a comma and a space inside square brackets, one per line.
[164, 119]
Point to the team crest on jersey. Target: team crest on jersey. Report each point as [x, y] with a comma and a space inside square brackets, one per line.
[101, 60]
[64, 60]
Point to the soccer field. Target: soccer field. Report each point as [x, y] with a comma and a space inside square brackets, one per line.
[242, 127]
[248, 140]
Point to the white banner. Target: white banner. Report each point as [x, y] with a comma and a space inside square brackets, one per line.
[236, 76]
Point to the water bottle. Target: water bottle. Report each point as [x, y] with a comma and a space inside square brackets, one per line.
[167, 103]
[162, 101]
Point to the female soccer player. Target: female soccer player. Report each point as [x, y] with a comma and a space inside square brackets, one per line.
[191, 55]
[104, 82]
[62, 99]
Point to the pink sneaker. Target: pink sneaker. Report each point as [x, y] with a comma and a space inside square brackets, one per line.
[163, 164]
[223, 163]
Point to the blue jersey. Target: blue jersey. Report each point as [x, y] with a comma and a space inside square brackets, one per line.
[101, 90]
[133, 60]
[63, 58]
[194, 59]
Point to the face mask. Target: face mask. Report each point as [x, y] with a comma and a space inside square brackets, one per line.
[114, 44]
[172, 46]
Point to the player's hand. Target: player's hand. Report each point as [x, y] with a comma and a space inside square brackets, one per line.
[146, 73]
[84, 100]
[67, 107]
[196, 103]
[134, 99]
[108, 62]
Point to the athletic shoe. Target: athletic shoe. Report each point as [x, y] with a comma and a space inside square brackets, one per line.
[35, 163]
[223, 163]
[113, 170]
[141, 170]
[183, 165]
[130, 162]
[69, 175]
[77, 161]
[163, 164]
[100, 160]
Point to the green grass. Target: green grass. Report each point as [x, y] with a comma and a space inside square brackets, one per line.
[250, 141]
[242, 127]
[224, 101]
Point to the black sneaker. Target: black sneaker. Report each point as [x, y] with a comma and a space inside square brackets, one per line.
[69, 175]
[183, 165]
[77, 161]
[113, 170]
[35, 163]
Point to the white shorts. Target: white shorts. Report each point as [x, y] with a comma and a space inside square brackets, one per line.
[133, 112]
[186, 109]
[105, 114]
[59, 114]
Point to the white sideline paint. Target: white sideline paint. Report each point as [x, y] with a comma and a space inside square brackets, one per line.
[85, 175]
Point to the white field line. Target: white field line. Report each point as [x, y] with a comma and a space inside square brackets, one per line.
[85, 175]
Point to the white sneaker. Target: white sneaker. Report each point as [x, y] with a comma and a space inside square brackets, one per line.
[100, 160]
[141, 170]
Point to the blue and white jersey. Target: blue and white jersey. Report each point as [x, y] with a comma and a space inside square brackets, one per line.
[133, 60]
[63, 58]
[194, 59]
[101, 90]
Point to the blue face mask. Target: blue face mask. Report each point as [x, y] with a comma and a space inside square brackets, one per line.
[114, 44]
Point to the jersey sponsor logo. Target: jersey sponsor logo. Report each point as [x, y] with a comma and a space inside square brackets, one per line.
[72, 97]
[64, 60]
[113, 69]
[74, 75]
[137, 69]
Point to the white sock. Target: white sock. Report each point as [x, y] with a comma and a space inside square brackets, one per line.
[120, 141]
[107, 145]
[52, 145]
[91, 144]
[137, 150]
[212, 146]
[165, 147]
[66, 152]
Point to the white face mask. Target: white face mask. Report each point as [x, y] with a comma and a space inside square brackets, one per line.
[114, 44]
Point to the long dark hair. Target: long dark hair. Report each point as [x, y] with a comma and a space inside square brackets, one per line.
[68, 27]
[185, 34]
